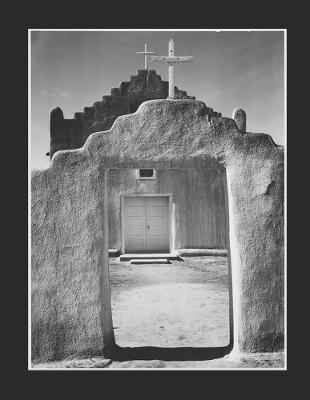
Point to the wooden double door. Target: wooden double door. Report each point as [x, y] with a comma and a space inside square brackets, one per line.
[146, 224]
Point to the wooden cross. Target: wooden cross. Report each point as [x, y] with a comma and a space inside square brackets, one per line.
[171, 60]
[145, 52]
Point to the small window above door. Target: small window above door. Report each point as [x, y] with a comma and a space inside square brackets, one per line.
[145, 173]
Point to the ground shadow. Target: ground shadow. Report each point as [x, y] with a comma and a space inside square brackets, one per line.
[169, 353]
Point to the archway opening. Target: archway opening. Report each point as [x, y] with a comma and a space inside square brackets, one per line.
[181, 309]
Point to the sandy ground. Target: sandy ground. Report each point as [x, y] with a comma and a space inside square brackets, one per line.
[171, 314]
[184, 303]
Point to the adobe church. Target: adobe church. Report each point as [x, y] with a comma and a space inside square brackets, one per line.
[150, 169]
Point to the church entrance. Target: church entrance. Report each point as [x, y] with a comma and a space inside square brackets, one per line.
[145, 223]
[182, 306]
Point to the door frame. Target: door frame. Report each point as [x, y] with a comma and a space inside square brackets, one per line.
[170, 216]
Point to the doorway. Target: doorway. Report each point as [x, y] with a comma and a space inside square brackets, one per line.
[182, 304]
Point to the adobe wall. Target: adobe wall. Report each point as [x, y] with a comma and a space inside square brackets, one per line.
[72, 133]
[67, 258]
[71, 311]
[199, 204]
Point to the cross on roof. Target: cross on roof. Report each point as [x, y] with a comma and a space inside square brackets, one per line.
[145, 52]
[171, 59]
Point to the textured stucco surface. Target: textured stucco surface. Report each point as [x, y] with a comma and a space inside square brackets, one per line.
[70, 310]
[67, 260]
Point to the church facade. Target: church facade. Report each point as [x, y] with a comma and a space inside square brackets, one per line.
[167, 210]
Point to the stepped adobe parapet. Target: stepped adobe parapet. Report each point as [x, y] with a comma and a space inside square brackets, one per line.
[125, 99]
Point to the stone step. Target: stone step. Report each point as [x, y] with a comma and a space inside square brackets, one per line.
[202, 252]
[144, 256]
[150, 261]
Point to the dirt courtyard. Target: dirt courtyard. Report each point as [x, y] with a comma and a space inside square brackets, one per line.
[185, 303]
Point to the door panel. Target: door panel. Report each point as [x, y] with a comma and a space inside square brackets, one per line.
[134, 223]
[157, 238]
